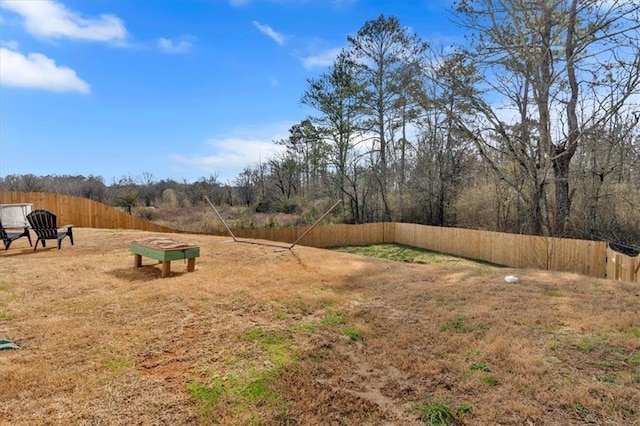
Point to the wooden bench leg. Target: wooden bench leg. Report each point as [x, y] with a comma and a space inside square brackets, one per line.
[191, 264]
[137, 260]
[166, 268]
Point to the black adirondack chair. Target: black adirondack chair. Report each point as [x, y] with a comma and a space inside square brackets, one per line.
[8, 237]
[44, 224]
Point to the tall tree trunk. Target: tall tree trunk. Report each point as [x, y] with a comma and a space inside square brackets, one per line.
[545, 139]
[384, 173]
[563, 152]
[562, 224]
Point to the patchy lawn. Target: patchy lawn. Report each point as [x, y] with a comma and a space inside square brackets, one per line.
[262, 335]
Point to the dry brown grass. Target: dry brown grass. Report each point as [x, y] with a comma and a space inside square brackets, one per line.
[257, 335]
[202, 219]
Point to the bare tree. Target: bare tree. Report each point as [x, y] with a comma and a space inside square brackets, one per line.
[382, 51]
[543, 60]
[336, 96]
[442, 152]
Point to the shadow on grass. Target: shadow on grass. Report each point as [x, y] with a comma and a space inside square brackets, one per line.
[24, 251]
[144, 273]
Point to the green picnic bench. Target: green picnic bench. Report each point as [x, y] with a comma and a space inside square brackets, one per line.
[165, 250]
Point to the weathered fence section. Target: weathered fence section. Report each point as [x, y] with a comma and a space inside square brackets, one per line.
[341, 235]
[519, 251]
[323, 236]
[284, 235]
[621, 267]
[81, 212]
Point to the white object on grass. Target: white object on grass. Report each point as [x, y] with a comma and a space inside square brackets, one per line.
[512, 279]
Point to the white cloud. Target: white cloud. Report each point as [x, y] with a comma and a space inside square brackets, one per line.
[51, 19]
[233, 153]
[267, 30]
[170, 46]
[12, 44]
[36, 71]
[323, 59]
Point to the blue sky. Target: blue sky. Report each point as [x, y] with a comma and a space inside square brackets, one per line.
[179, 89]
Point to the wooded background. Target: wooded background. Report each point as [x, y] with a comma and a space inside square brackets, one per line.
[530, 127]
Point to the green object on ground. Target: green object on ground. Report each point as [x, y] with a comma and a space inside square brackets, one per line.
[164, 250]
[8, 344]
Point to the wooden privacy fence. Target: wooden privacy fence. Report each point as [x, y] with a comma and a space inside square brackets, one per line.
[591, 258]
[322, 236]
[81, 212]
[518, 251]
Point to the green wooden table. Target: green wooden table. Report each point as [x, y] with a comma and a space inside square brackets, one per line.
[165, 250]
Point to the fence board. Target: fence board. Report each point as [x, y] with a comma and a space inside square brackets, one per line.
[621, 267]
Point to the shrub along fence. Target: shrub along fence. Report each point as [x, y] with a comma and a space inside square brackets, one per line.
[592, 258]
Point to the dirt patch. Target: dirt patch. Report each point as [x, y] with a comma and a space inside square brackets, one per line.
[264, 335]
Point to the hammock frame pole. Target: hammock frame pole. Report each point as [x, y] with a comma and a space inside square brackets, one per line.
[220, 217]
[315, 224]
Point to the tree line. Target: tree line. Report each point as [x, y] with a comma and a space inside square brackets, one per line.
[529, 127]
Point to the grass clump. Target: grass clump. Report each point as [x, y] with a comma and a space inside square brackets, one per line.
[479, 366]
[251, 390]
[354, 333]
[491, 381]
[588, 343]
[483, 367]
[633, 330]
[464, 409]
[259, 388]
[277, 345]
[207, 395]
[307, 328]
[116, 365]
[606, 379]
[245, 392]
[435, 413]
[265, 337]
[333, 319]
[457, 324]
